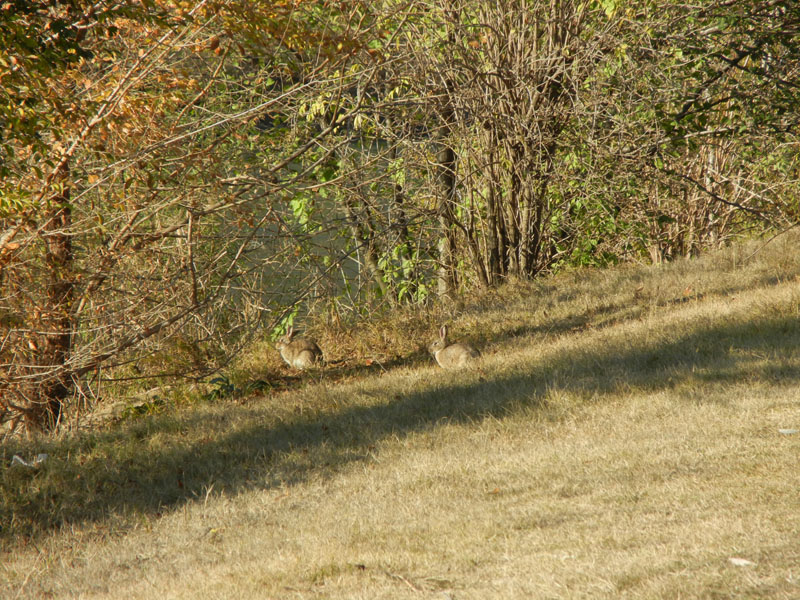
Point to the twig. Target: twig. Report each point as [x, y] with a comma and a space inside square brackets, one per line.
[404, 580]
[28, 576]
[762, 246]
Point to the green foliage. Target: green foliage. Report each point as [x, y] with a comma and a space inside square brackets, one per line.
[13, 202]
[151, 407]
[225, 389]
[285, 323]
[402, 269]
[302, 205]
[609, 7]
[222, 388]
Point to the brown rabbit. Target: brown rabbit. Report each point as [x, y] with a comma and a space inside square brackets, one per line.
[452, 356]
[300, 353]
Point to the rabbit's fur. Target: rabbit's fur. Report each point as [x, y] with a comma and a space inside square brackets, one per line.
[298, 353]
[452, 356]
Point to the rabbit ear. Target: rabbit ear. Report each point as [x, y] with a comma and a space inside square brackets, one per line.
[290, 332]
[443, 331]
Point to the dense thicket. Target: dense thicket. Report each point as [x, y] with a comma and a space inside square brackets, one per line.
[177, 176]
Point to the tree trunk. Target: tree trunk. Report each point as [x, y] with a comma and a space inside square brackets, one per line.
[447, 181]
[494, 267]
[57, 323]
[364, 239]
[513, 221]
[399, 223]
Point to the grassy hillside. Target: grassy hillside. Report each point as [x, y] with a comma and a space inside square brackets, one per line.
[626, 435]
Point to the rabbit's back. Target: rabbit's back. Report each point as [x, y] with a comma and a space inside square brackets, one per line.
[301, 353]
[456, 356]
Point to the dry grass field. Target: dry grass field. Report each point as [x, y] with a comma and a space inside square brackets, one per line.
[626, 435]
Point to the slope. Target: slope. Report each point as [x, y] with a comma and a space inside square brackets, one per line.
[628, 434]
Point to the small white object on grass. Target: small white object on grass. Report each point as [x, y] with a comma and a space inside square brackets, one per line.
[17, 460]
[788, 431]
[741, 562]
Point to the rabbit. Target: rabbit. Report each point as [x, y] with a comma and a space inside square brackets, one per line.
[300, 353]
[452, 356]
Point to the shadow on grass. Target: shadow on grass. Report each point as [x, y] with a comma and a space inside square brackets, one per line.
[86, 479]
